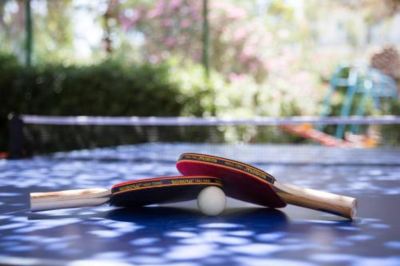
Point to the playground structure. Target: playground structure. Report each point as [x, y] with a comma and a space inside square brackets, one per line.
[369, 84]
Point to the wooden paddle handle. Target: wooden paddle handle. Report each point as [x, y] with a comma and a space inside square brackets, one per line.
[41, 201]
[318, 200]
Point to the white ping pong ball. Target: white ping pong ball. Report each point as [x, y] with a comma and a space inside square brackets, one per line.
[211, 201]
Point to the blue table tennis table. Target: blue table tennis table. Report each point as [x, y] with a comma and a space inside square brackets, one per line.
[178, 234]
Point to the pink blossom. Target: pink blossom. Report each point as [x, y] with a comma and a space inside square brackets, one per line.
[236, 13]
[253, 67]
[232, 12]
[196, 55]
[129, 18]
[154, 13]
[170, 41]
[185, 23]
[175, 4]
[235, 77]
[166, 22]
[240, 34]
[157, 10]
[243, 59]
[248, 51]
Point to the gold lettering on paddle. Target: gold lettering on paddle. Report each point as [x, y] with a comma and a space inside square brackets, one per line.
[191, 181]
[140, 185]
[201, 158]
[240, 166]
[254, 171]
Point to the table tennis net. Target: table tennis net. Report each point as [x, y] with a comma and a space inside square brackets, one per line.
[43, 134]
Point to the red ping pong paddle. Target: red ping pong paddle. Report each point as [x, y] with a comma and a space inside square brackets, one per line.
[133, 193]
[251, 184]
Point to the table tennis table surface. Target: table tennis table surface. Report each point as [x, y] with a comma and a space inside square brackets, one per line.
[244, 234]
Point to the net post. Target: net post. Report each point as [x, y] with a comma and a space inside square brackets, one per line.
[15, 136]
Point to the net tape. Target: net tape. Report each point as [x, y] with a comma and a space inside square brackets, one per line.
[207, 121]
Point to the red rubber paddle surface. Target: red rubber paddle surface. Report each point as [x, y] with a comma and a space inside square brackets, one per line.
[240, 181]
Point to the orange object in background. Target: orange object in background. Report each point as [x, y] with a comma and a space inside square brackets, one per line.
[309, 132]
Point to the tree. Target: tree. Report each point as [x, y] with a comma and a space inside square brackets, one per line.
[238, 42]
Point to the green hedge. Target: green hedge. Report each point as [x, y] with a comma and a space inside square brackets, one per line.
[110, 88]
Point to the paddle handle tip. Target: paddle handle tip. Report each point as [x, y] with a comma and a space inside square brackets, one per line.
[318, 200]
[40, 201]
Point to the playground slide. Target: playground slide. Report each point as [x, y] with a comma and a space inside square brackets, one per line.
[307, 131]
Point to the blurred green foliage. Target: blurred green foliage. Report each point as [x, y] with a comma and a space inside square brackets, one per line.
[110, 88]
[114, 88]
[391, 133]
